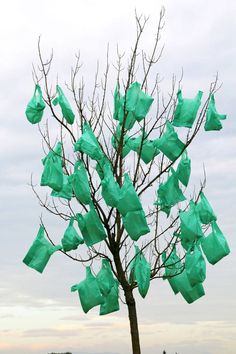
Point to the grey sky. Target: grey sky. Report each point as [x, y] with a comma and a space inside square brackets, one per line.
[38, 311]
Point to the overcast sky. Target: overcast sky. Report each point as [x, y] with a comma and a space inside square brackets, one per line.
[38, 314]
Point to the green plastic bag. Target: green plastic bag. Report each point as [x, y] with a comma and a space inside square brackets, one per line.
[213, 118]
[111, 301]
[110, 188]
[140, 270]
[80, 183]
[137, 101]
[173, 267]
[169, 193]
[195, 266]
[88, 143]
[135, 224]
[190, 225]
[205, 210]
[65, 106]
[186, 110]
[91, 227]
[129, 117]
[89, 292]
[57, 151]
[105, 278]
[40, 252]
[148, 151]
[190, 293]
[129, 200]
[66, 192]
[215, 245]
[185, 243]
[71, 240]
[52, 175]
[117, 104]
[184, 169]
[36, 106]
[115, 140]
[169, 143]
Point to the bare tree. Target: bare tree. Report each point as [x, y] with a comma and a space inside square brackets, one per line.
[95, 110]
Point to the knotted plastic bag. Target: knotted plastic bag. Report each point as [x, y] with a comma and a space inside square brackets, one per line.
[184, 169]
[66, 109]
[190, 293]
[135, 224]
[169, 193]
[205, 210]
[89, 292]
[40, 252]
[36, 106]
[110, 188]
[105, 278]
[88, 143]
[173, 267]
[137, 101]
[91, 227]
[213, 118]
[190, 225]
[148, 151]
[140, 270]
[52, 175]
[71, 240]
[80, 183]
[169, 143]
[129, 200]
[66, 192]
[195, 266]
[115, 140]
[215, 245]
[186, 110]
[111, 301]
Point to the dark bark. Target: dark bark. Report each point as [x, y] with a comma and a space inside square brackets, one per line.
[133, 321]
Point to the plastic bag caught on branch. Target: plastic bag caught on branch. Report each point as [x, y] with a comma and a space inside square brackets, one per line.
[66, 192]
[52, 175]
[213, 118]
[190, 293]
[135, 224]
[80, 183]
[40, 252]
[129, 200]
[115, 141]
[36, 106]
[205, 210]
[140, 271]
[169, 193]
[195, 266]
[190, 225]
[105, 278]
[184, 169]
[186, 110]
[91, 227]
[66, 109]
[89, 292]
[71, 240]
[111, 300]
[215, 245]
[88, 144]
[137, 101]
[149, 149]
[169, 143]
[173, 267]
[110, 188]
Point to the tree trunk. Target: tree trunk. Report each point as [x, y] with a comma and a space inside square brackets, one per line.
[133, 321]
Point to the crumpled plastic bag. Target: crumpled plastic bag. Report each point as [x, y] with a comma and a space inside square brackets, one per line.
[88, 143]
[195, 266]
[149, 149]
[66, 191]
[111, 300]
[169, 143]
[91, 227]
[173, 267]
[190, 225]
[40, 252]
[71, 239]
[140, 271]
[129, 200]
[115, 141]
[135, 224]
[105, 278]
[137, 101]
[215, 246]
[89, 292]
[110, 188]
[184, 169]
[36, 106]
[205, 210]
[80, 183]
[190, 293]
[186, 110]
[213, 118]
[66, 109]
